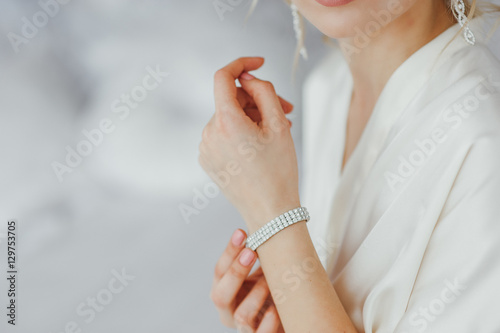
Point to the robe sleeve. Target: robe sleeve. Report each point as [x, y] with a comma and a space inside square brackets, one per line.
[457, 288]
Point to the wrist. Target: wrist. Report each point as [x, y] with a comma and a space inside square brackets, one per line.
[276, 225]
[257, 218]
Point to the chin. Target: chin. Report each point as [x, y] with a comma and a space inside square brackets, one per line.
[348, 19]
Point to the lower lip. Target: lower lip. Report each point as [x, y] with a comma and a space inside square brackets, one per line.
[333, 3]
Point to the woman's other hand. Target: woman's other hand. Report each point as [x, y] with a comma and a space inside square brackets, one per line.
[242, 300]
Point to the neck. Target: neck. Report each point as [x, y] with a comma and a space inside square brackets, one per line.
[373, 62]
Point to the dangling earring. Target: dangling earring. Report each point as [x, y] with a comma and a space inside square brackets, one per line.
[297, 27]
[459, 13]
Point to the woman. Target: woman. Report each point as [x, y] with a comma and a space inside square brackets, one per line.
[401, 130]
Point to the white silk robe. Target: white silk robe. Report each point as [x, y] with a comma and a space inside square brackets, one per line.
[409, 232]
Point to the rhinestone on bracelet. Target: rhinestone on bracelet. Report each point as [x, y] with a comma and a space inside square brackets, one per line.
[274, 226]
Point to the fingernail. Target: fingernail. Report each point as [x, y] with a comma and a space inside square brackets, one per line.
[247, 257]
[246, 76]
[238, 238]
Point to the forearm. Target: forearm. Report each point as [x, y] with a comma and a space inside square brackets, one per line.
[303, 294]
[265, 185]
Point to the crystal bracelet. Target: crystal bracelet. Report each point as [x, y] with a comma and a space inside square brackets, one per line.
[274, 226]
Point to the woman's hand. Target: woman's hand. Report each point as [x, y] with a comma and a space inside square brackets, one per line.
[243, 300]
[247, 147]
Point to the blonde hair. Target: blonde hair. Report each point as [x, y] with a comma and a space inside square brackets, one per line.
[472, 9]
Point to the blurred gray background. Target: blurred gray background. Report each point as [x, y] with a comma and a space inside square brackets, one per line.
[119, 208]
[118, 212]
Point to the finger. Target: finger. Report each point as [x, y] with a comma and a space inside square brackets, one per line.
[251, 110]
[225, 291]
[285, 105]
[246, 101]
[248, 105]
[270, 322]
[256, 274]
[244, 329]
[254, 114]
[225, 85]
[232, 250]
[248, 310]
[265, 98]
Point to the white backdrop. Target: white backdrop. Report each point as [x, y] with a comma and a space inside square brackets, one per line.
[117, 212]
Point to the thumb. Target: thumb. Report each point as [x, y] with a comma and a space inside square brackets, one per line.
[266, 100]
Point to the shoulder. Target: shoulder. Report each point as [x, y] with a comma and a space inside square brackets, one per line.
[463, 95]
[477, 59]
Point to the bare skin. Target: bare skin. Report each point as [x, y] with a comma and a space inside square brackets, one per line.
[369, 80]
[267, 185]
